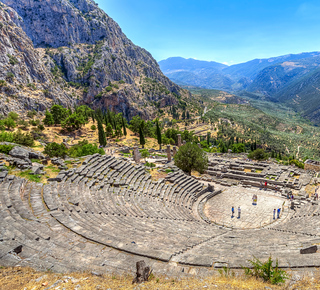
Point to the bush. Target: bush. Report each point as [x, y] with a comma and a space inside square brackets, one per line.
[40, 127]
[266, 271]
[13, 115]
[258, 154]
[23, 124]
[31, 114]
[83, 148]
[297, 163]
[93, 128]
[150, 164]
[23, 139]
[6, 148]
[17, 137]
[55, 150]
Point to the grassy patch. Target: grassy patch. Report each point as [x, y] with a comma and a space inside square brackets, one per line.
[26, 174]
[53, 168]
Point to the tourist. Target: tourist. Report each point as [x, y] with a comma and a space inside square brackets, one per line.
[274, 214]
[232, 211]
[239, 212]
[265, 185]
[261, 185]
[278, 212]
[316, 196]
[276, 188]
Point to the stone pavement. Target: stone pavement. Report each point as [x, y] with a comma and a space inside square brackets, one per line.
[218, 209]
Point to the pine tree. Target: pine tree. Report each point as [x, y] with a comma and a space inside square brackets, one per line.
[188, 115]
[158, 133]
[255, 145]
[124, 127]
[142, 140]
[102, 135]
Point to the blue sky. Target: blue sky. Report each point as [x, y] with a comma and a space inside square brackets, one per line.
[230, 31]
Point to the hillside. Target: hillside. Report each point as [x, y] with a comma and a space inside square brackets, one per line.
[290, 79]
[272, 79]
[87, 58]
[275, 126]
[206, 74]
[25, 82]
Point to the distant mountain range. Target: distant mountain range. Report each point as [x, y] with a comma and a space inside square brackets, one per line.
[293, 79]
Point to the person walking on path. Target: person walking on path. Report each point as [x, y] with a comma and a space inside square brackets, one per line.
[261, 185]
[278, 213]
[232, 211]
[274, 214]
[239, 212]
[265, 185]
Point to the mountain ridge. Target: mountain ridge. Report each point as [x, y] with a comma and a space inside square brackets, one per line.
[90, 60]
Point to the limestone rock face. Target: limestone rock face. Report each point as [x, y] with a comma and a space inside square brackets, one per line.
[23, 76]
[85, 54]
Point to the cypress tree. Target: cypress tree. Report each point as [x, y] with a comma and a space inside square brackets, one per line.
[142, 140]
[124, 127]
[102, 135]
[158, 133]
[208, 138]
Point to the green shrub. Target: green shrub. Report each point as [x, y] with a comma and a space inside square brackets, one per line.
[84, 148]
[40, 127]
[55, 150]
[93, 128]
[13, 115]
[32, 86]
[31, 114]
[150, 164]
[12, 59]
[23, 139]
[266, 271]
[108, 89]
[6, 148]
[3, 83]
[258, 154]
[297, 163]
[10, 75]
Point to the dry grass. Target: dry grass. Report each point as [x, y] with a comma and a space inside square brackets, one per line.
[156, 175]
[28, 279]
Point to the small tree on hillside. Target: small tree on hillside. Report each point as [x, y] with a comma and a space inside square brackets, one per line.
[109, 130]
[124, 127]
[142, 140]
[158, 133]
[191, 157]
[55, 150]
[102, 135]
[48, 120]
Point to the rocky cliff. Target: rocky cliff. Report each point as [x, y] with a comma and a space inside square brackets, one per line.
[90, 59]
[25, 82]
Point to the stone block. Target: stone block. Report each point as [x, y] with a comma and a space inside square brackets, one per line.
[309, 250]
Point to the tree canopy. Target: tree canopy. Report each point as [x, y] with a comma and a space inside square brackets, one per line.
[190, 157]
